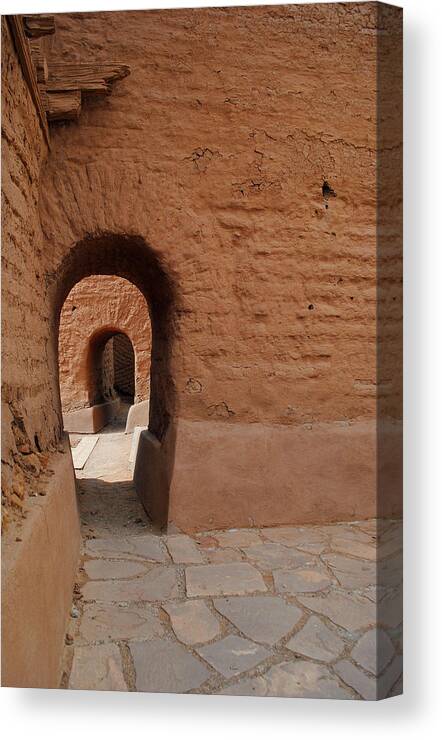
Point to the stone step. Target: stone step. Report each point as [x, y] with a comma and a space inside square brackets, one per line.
[82, 451]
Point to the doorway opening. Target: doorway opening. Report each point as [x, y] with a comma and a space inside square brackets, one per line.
[104, 352]
[119, 368]
[127, 258]
[104, 371]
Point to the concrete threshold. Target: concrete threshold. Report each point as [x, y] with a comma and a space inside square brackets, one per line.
[82, 452]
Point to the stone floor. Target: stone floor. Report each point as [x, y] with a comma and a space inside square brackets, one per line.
[281, 611]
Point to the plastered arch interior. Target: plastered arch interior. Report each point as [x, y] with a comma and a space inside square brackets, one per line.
[97, 308]
[100, 386]
[129, 257]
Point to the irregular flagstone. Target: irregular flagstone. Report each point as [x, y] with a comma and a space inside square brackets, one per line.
[206, 541]
[223, 580]
[273, 555]
[192, 621]
[158, 584]
[393, 532]
[389, 548]
[301, 580]
[397, 689]
[311, 539]
[391, 542]
[127, 572]
[370, 688]
[374, 527]
[348, 532]
[392, 677]
[351, 572]
[119, 622]
[373, 651]
[183, 549]
[316, 641]
[314, 548]
[233, 655]
[225, 555]
[351, 546]
[238, 538]
[350, 611]
[164, 666]
[390, 572]
[97, 668]
[298, 679]
[108, 569]
[263, 618]
[375, 593]
[146, 546]
[390, 610]
[353, 676]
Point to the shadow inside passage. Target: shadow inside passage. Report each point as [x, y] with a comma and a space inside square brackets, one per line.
[107, 500]
[110, 509]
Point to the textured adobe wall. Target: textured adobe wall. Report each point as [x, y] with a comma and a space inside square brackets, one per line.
[27, 408]
[242, 150]
[215, 149]
[40, 535]
[95, 309]
[232, 177]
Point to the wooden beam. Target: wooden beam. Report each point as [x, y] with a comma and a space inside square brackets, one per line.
[82, 73]
[39, 61]
[57, 89]
[38, 25]
[64, 105]
[23, 50]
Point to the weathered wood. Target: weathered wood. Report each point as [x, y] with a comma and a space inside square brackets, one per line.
[39, 60]
[85, 73]
[22, 47]
[97, 88]
[57, 89]
[38, 25]
[63, 105]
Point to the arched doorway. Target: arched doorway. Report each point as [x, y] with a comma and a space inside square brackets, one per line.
[111, 373]
[104, 350]
[131, 259]
[119, 368]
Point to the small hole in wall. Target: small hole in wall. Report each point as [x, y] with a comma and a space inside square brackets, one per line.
[352, 298]
[311, 307]
[327, 190]
[74, 308]
[37, 442]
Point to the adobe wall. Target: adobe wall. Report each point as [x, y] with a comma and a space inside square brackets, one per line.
[99, 306]
[40, 532]
[24, 330]
[242, 150]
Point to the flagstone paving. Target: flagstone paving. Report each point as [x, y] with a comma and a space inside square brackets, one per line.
[279, 611]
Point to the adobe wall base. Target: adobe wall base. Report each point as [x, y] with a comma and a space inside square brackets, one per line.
[151, 477]
[240, 475]
[138, 416]
[38, 575]
[90, 420]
